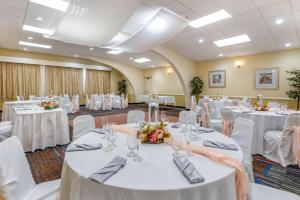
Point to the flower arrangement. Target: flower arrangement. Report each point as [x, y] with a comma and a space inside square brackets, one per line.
[154, 133]
[49, 105]
[261, 108]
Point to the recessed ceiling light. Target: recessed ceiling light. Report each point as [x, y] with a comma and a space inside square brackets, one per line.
[35, 45]
[46, 36]
[55, 4]
[76, 55]
[233, 40]
[221, 55]
[114, 52]
[152, 66]
[91, 48]
[141, 60]
[30, 38]
[157, 25]
[200, 40]
[288, 44]
[25, 49]
[279, 21]
[37, 30]
[39, 19]
[209, 19]
[130, 58]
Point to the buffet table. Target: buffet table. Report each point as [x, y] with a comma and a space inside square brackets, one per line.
[8, 108]
[38, 129]
[156, 177]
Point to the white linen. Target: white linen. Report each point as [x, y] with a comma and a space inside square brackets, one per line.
[167, 100]
[156, 177]
[143, 98]
[38, 129]
[8, 108]
[82, 125]
[263, 121]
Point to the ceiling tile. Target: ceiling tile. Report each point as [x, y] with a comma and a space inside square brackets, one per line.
[248, 17]
[276, 10]
[241, 7]
[261, 3]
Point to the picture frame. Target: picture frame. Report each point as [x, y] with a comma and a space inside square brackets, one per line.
[267, 79]
[217, 79]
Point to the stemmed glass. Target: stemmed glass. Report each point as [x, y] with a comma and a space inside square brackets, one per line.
[188, 139]
[138, 158]
[176, 142]
[131, 144]
[163, 116]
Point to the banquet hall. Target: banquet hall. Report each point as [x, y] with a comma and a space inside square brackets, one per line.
[149, 99]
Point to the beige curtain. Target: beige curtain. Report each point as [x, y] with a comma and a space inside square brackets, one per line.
[19, 80]
[97, 82]
[63, 80]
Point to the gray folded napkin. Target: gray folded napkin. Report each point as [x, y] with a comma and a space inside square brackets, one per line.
[98, 130]
[109, 170]
[83, 147]
[188, 169]
[175, 125]
[204, 130]
[219, 145]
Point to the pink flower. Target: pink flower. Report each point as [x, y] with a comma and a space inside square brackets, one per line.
[159, 133]
[153, 137]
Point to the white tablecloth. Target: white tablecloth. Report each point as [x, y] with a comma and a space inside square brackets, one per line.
[143, 98]
[7, 111]
[155, 178]
[38, 129]
[167, 100]
[263, 121]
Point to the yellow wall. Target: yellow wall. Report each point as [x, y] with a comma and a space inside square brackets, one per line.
[240, 81]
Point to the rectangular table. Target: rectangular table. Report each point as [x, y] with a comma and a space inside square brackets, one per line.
[38, 129]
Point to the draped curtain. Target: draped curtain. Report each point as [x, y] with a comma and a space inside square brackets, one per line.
[19, 80]
[62, 80]
[97, 82]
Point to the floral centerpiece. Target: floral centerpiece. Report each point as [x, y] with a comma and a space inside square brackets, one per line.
[49, 105]
[261, 108]
[154, 133]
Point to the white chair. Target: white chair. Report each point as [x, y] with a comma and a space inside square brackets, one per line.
[20, 98]
[106, 102]
[242, 134]
[214, 121]
[116, 102]
[278, 144]
[193, 104]
[87, 102]
[262, 192]
[227, 117]
[188, 117]
[5, 130]
[16, 179]
[75, 103]
[135, 116]
[66, 104]
[82, 125]
[31, 97]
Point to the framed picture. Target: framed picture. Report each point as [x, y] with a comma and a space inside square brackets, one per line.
[266, 79]
[217, 78]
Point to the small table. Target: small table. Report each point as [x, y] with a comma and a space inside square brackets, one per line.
[8, 108]
[38, 129]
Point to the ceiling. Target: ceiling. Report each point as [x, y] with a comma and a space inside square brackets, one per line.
[256, 18]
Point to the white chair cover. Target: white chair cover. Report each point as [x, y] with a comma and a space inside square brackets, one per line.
[31, 97]
[135, 115]
[227, 117]
[188, 117]
[16, 182]
[116, 102]
[87, 102]
[5, 130]
[126, 101]
[82, 125]
[20, 98]
[66, 104]
[106, 102]
[262, 192]
[75, 103]
[242, 134]
[123, 103]
[193, 104]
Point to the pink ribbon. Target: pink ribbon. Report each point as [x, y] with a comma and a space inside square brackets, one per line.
[296, 143]
[205, 117]
[227, 126]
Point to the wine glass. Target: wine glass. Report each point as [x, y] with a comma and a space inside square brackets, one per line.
[131, 144]
[188, 139]
[163, 116]
[176, 142]
[138, 158]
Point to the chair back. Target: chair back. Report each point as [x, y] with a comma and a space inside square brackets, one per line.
[188, 117]
[135, 115]
[31, 97]
[106, 102]
[82, 125]
[289, 146]
[15, 175]
[75, 103]
[193, 103]
[242, 134]
[235, 102]
[227, 117]
[20, 98]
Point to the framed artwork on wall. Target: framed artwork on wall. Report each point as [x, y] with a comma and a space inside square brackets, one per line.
[267, 79]
[217, 79]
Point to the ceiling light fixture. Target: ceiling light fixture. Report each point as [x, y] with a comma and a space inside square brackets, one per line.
[55, 4]
[30, 38]
[130, 58]
[39, 19]
[288, 44]
[221, 55]
[233, 40]
[35, 45]
[76, 55]
[157, 25]
[25, 49]
[142, 60]
[114, 52]
[200, 40]
[279, 21]
[209, 19]
[91, 48]
[37, 30]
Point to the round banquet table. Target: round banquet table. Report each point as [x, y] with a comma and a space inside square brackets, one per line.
[8, 108]
[263, 121]
[156, 177]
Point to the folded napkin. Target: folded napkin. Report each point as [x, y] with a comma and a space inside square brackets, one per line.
[109, 170]
[219, 145]
[98, 130]
[204, 130]
[175, 125]
[22, 108]
[188, 169]
[282, 113]
[83, 147]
